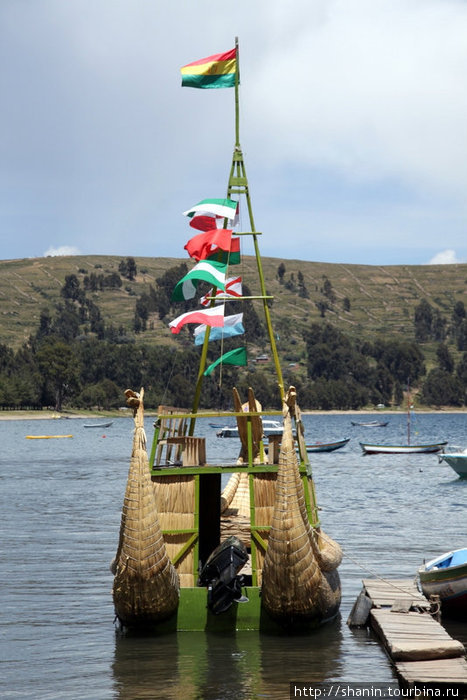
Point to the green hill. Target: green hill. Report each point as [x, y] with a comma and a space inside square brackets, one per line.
[111, 317]
[361, 300]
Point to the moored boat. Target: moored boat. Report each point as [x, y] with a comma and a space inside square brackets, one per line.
[98, 425]
[446, 577]
[457, 461]
[327, 446]
[270, 427]
[371, 423]
[370, 449]
[408, 447]
[46, 437]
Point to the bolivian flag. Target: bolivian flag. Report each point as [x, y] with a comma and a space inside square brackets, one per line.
[216, 71]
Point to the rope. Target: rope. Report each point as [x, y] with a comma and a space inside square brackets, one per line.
[364, 567]
[162, 401]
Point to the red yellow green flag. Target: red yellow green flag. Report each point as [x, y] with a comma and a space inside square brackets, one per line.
[217, 71]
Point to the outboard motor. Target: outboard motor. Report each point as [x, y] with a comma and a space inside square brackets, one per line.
[219, 575]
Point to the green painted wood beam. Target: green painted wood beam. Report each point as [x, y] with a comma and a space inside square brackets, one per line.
[185, 548]
[217, 469]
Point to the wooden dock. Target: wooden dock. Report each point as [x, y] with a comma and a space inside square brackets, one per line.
[422, 652]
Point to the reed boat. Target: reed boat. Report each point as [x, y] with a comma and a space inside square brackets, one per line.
[251, 555]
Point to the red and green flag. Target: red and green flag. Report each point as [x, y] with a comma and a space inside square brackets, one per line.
[217, 71]
[233, 357]
[204, 245]
[231, 257]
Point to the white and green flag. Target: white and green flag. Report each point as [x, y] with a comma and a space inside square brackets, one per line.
[212, 272]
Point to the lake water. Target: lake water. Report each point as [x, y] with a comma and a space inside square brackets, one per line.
[60, 517]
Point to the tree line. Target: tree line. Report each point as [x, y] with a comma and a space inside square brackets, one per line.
[74, 359]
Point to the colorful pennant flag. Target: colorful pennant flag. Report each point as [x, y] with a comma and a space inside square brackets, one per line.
[233, 325]
[233, 288]
[222, 208]
[207, 244]
[211, 317]
[217, 71]
[204, 222]
[210, 271]
[228, 258]
[234, 357]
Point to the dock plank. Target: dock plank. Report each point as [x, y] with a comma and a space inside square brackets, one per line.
[414, 636]
[423, 653]
[440, 671]
[386, 593]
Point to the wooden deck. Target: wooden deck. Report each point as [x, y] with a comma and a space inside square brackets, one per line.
[396, 591]
[422, 652]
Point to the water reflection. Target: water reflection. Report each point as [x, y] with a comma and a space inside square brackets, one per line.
[243, 666]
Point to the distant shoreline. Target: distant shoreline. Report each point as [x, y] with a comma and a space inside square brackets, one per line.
[127, 413]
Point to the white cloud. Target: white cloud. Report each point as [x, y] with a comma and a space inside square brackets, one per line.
[61, 250]
[445, 257]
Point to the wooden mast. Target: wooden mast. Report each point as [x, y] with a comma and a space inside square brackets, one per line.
[238, 185]
[408, 411]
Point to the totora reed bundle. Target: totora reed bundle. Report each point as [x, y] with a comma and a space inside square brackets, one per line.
[294, 587]
[146, 585]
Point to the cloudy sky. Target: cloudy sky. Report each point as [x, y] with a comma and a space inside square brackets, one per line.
[353, 126]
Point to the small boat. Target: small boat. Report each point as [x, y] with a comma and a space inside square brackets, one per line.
[408, 448]
[98, 425]
[46, 437]
[270, 427]
[446, 577]
[369, 449]
[217, 425]
[371, 423]
[457, 461]
[327, 446]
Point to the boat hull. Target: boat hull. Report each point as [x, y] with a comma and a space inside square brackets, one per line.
[193, 615]
[269, 429]
[449, 583]
[46, 437]
[402, 449]
[371, 424]
[458, 462]
[327, 446]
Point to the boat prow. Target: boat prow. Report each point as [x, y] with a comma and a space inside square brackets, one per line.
[457, 461]
[327, 446]
[296, 590]
[446, 577]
